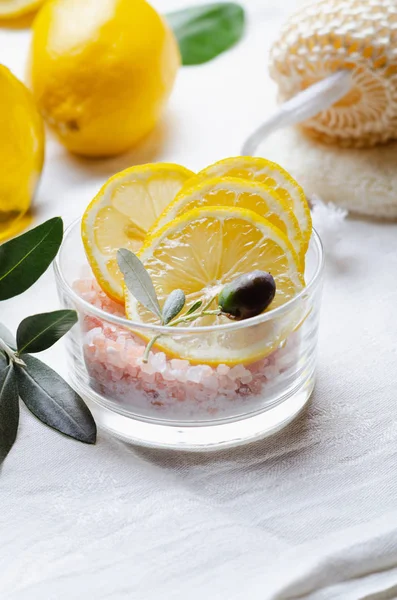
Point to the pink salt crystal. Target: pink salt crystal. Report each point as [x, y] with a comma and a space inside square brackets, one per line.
[133, 351]
[231, 385]
[114, 357]
[148, 377]
[91, 335]
[223, 369]
[211, 382]
[236, 372]
[246, 378]
[116, 374]
[179, 374]
[190, 390]
[159, 362]
[223, 380]
[177, 363]
[100, 341]
[147, 367]
[133, 371]
[180, 394]
[120, 345]
[255, 386]
[194, 374]
[206, 370]
[168, 375]
[200, 393]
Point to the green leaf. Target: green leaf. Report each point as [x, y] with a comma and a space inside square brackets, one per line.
[173, 305]
[25, 258]
[9, 407]
[204, 32]
[53, 401]
[195, 306]
[39, 332]
[138, 281]
[7, 336]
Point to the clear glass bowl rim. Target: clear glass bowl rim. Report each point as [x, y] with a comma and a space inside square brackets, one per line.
[234, 325]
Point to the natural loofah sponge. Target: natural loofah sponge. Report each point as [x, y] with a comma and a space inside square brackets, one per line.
[363, 181]
[343, 34]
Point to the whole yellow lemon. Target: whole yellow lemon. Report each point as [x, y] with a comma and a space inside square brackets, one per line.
[101, 71]
[21, 151]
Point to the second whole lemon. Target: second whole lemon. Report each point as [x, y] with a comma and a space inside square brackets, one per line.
[21, 153]
[101, 72]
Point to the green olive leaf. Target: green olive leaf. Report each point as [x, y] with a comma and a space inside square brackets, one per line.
[195, 306]
[25, 258]
[204, 32]
[173, 305]
[39, 332]
[9, 407]
[138, 281]
[53, 401]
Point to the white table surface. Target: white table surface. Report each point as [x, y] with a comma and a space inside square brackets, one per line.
[309, 513]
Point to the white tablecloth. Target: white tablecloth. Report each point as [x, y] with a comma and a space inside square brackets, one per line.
[310, 513]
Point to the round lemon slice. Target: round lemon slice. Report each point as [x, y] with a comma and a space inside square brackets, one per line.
[201, 251]
[121, 214]
[270, 173]
[11, 9]
[229, 191]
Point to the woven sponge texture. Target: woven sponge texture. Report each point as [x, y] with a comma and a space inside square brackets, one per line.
[343, 34]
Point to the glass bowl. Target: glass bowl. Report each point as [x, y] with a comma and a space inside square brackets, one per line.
[213, 387]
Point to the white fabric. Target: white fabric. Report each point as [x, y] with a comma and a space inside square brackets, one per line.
[310, 513]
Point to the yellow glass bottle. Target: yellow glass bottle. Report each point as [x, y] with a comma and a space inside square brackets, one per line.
[21, 153]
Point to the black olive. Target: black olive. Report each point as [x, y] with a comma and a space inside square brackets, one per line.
[248, 295]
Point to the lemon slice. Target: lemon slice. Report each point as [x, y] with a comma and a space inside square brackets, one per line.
[10, 9]
[121, 214]
[201, 251]
[229, 191]
[270, 173]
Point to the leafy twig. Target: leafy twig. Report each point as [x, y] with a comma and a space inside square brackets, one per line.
[22, 261]
[138, 282]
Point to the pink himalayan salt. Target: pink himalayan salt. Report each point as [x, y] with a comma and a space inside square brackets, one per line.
[177, 363]
[223, 369]
[113, 358]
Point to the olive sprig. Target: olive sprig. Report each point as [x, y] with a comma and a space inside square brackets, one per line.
[23, 260]
[187, 317]
[247, 296]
